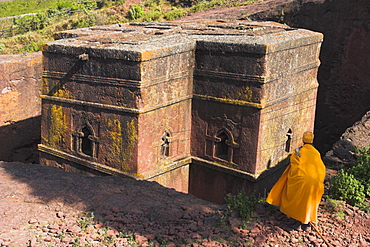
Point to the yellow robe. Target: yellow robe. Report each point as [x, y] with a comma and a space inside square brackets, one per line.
[299, 190]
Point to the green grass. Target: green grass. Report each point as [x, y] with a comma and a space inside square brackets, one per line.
[19, 7]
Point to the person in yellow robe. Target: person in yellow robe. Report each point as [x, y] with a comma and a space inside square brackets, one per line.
[299, 190]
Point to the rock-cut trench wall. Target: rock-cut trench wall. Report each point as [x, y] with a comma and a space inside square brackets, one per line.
[344, 74]
[20, 106]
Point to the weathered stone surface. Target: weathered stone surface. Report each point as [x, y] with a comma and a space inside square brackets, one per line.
[343, 151]
[20, 106]
[359, 133]
[176, 102]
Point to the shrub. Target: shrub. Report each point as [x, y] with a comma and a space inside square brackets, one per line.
[174, 14]
[86, 5]
[346, 187]
[242, 203]
[152, 3]
[200, 6]
[108, 3]
[245, 3]
[41, 20]
[32, 47]
[63, 5]
[2, 46]
[31, 22]
[135, 12]
[51, 12]
[361, 169]
[363, 155]
[84, 21]
[150, 16]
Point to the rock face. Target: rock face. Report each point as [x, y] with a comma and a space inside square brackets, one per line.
[344, 74]
[20, 106]
[357, 135]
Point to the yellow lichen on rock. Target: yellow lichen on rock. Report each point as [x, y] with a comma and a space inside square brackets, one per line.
[115, 132]
[246, 94]
[131, 140]
[63, 93]
[123, 141]
[58, 126]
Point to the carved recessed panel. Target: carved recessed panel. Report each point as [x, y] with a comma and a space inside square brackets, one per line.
[85, 134]
[221, 134]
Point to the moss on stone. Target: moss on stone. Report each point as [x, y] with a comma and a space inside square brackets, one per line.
[58, 126]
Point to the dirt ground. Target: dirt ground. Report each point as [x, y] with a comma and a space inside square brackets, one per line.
[45, 206]
[33, 195]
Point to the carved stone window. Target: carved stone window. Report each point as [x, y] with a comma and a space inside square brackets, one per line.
[289, 140]
[165, 146]
[221, 146]
[85, 141]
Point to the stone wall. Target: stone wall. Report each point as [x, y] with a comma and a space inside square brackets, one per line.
[344, 74]
[20, 106]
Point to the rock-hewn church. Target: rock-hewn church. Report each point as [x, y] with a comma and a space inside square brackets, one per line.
[206, 107]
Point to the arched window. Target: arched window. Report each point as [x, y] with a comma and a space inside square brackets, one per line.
[86, 141]
[289, 140]
[221, 146]
[165, 146]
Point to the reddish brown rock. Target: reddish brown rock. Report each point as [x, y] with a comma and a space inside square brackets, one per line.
[115, 209]
[20, 89]
[33, 221]
[74, 229]
[140, 239]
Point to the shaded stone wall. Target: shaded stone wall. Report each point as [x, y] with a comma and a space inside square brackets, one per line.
[20, 106]
[344, 74]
